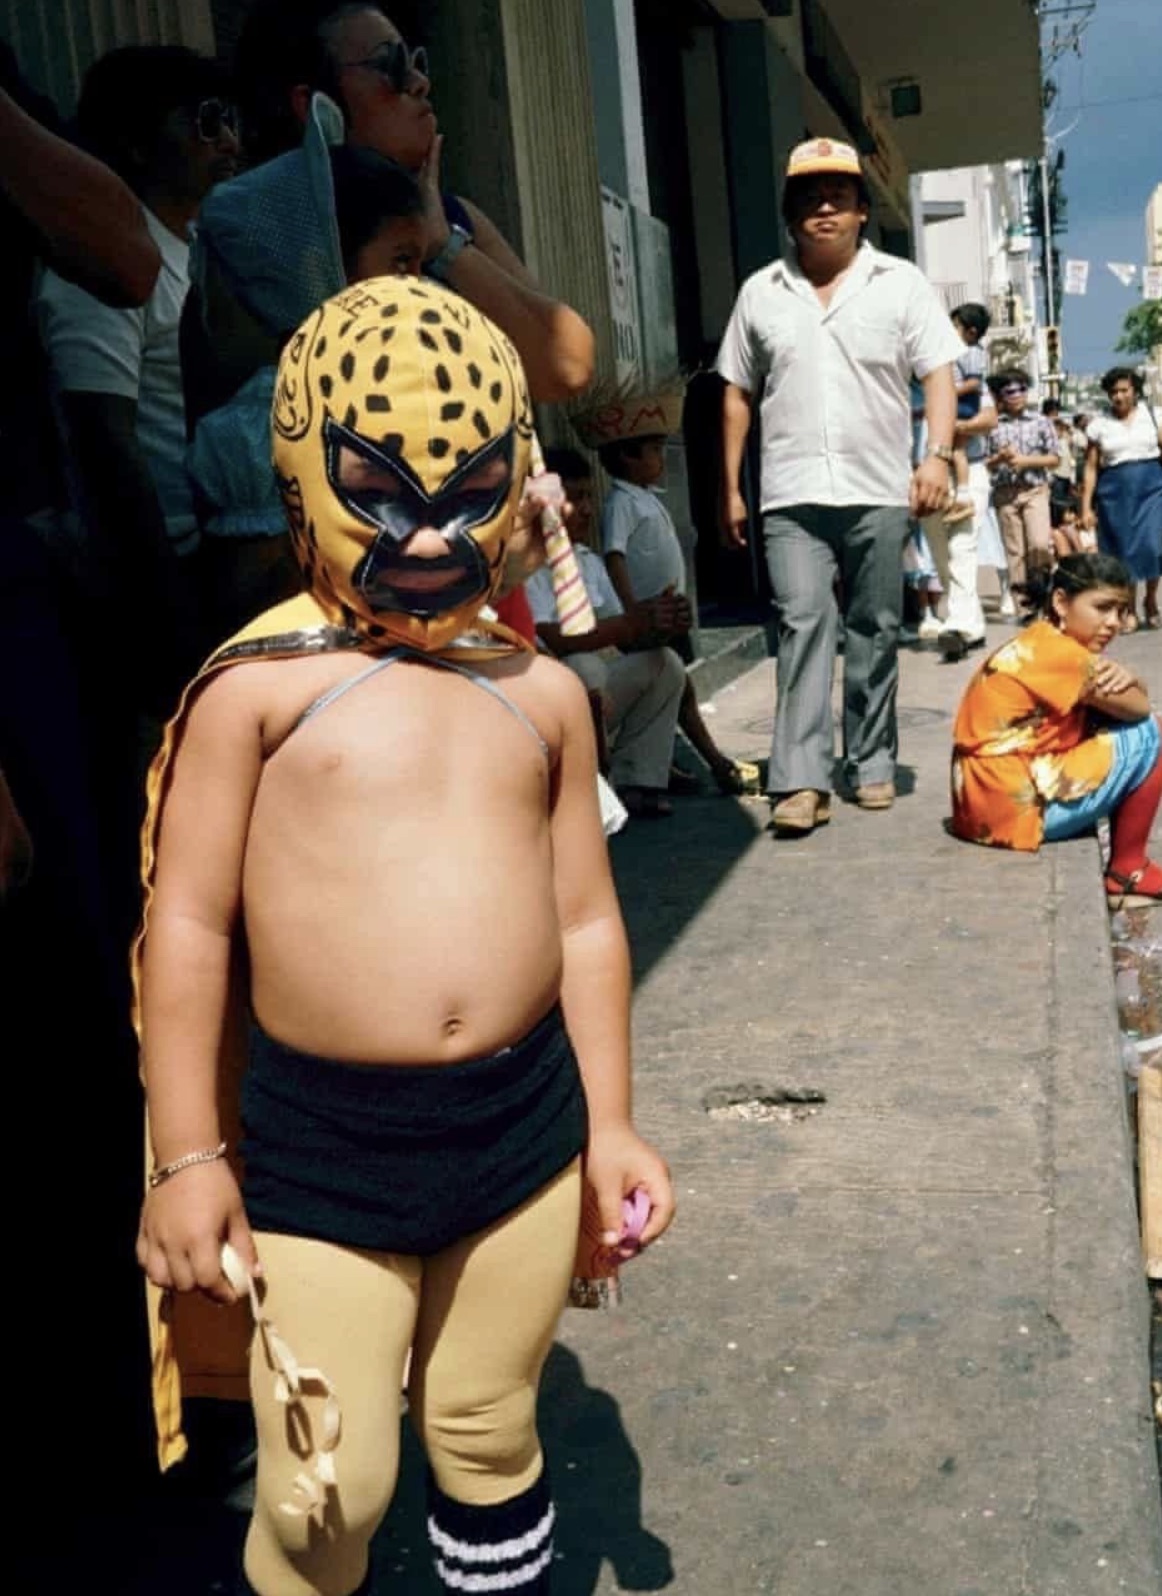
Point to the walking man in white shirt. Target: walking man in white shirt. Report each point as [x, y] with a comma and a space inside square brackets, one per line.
[830, 338]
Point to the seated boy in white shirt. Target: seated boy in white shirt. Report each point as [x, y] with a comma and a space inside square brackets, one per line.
[644, 558]
[623, 660]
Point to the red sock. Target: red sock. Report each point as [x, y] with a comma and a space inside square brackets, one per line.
[1130, 831]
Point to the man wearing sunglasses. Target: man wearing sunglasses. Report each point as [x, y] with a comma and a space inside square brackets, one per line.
[823, 345]
[353, 52]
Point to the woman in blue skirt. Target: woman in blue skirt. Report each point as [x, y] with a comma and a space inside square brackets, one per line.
[1123, 481]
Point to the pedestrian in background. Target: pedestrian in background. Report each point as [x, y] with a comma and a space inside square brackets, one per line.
[1022, 451]
[829, 338]
[955, 544]
[1121, 496]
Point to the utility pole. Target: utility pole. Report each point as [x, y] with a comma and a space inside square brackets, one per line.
[1047, 257]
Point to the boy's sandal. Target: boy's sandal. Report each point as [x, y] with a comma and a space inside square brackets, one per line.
[1127, 896]
[735, 777]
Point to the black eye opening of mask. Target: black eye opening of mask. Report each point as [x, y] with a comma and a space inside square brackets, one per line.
[400, 506]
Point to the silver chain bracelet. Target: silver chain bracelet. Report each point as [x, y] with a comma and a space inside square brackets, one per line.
[208, 1155]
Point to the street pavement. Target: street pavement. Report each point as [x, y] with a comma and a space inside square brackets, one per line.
[897, 1347]
[896, 1341]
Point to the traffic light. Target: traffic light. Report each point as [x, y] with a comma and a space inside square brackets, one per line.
[1053, 348]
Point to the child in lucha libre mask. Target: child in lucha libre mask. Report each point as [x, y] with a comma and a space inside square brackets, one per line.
[384, 811]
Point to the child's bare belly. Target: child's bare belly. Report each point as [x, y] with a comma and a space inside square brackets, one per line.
[398, 887]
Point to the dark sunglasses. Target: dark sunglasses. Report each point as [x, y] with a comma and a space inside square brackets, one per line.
[211, 117]
[395, 64]
[1013, 389]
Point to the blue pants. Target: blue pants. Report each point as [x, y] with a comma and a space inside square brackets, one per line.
[1137, 748]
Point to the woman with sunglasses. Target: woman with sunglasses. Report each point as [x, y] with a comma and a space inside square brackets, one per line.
[1121, 492]
[354, 53]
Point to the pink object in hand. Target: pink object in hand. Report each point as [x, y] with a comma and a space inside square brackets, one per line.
[635, 1211]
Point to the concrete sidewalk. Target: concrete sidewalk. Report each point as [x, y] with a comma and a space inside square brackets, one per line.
[899, 1347]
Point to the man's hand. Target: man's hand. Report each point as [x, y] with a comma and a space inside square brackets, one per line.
[929, 490]
[733, 520]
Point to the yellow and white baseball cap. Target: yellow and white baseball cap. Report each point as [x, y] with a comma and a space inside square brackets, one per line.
[823, 155]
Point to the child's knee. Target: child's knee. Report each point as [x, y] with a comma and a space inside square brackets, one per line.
[672, 670]
[469, 1443]
[288, 1553]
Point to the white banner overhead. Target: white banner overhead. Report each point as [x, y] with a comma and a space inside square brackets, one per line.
[1152, 282]
[1124, 271]
[1076, 276]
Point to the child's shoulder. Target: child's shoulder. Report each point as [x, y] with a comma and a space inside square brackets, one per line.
[264, 696]
[541, 674]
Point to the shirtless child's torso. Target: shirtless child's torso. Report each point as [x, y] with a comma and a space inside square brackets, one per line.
[377, 835]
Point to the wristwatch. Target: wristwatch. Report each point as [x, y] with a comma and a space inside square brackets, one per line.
[942, 451]
[440, 265]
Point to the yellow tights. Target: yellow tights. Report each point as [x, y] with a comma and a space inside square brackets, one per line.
[479, 1319]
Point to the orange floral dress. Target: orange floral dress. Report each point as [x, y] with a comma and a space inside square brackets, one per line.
[1023, 740]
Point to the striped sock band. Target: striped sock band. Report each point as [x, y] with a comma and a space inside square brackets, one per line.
[488, 1551]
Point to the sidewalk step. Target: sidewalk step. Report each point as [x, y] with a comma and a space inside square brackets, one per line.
[726, 653]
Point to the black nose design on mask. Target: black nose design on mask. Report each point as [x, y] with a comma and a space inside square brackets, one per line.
[384, 492]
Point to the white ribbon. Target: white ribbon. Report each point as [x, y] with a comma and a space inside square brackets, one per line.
[291, 1383]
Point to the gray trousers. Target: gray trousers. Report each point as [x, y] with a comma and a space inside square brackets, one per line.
[807, 545]
[641, 694]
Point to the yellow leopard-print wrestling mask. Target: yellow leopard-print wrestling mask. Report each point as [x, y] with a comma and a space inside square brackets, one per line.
[402, 426]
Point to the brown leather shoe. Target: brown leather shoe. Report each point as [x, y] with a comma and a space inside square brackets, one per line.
[876, 795]
[797, 813]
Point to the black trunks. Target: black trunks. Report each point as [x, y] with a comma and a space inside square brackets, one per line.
[406, 1158]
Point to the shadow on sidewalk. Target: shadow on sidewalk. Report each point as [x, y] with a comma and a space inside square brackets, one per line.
[668, 870]
[596, 1478]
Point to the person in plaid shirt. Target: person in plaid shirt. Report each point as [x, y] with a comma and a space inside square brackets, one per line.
[1022, 450]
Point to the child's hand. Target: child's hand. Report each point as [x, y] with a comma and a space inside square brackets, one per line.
[616, 1164]
[671, 612]
[1110, 677]
[183, 1225]
[525, 551]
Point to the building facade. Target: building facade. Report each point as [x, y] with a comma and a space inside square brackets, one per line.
[1154, 258]
[632, 150]
[975, 243]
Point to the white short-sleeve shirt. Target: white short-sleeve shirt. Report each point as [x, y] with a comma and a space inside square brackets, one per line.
[835, 407]
[635, 523]
[94, 348]
[1136, 438]
[602, 596]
